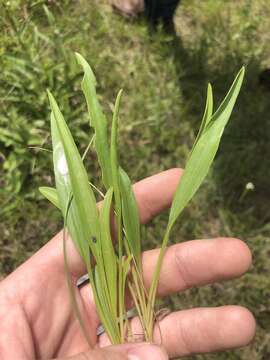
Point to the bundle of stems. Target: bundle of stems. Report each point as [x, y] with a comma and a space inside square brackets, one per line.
[114, 262]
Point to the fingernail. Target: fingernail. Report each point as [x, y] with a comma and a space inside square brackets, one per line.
[147, 352]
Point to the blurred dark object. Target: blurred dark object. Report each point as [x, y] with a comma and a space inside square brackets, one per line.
[156, 11]
[264, 78]
[161, 11]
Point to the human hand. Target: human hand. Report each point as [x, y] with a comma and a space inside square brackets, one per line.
[36, 317]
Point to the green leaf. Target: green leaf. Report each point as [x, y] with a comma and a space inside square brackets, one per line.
[130, 216]
[208, 112]
[223, 113]
[64, 190]
[108, 254]
[196, 169]
[72, 177]
[50, 194]
[113, 149]
[125, 271]
[108, 319]
[204, 151]
[115, 169]
[97, 120]
[70, 214]
[78, 205]
[118, 210]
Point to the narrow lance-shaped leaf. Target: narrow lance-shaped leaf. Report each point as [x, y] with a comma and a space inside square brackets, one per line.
[196, 169]
[126, 268]
[97, 120]
[204, 151]
[70, 214]
[64, 190]
[108, 254]
[118, 211]
[116, 181]
[86, 210]
[50, 194]
[114, 161]
[80, 206]
[71, 289]
[225, 108]
[107, 317]
[87, 220]
[130, 216]
[207, 114]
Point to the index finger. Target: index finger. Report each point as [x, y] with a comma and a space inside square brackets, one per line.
[155, 193]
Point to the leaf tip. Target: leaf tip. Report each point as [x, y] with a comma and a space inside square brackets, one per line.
[241, 72]
[86, 67]
[41, 189]
[79, 58]
[51, 98]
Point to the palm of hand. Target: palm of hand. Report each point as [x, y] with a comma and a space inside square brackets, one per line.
[37, 319]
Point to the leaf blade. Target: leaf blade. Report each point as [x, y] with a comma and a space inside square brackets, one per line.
[50, 194]
[97, 120]
[204, 151]
[130, 216]
[208, 112]
[108, 254]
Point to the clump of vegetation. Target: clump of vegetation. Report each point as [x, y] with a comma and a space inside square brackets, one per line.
[116, 253]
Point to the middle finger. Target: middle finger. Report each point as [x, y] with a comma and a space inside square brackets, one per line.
[197, 262]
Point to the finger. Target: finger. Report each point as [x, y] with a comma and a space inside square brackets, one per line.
[203, 330]
[123, 352]
[197, 262]
[206, 330]
[153, 195]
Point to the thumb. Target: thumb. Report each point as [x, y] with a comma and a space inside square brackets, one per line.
[137, 351]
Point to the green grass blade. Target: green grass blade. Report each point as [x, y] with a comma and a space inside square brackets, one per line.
[64, 191]
[86, 218]
[108, 254]
[196, 169]
[208, 112]
[114, 159]
[88, 147]
[97, 120]
[84, 199]
[204, 151]
[118, 211]
[108, 321]
[72, 291]
[224, 110]
[130, 216]
[69, 211]
[50, 194]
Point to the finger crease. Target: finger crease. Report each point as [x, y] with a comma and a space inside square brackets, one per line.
[188, 342]
[182, 268]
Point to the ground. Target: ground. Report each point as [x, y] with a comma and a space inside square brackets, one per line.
[164, 80]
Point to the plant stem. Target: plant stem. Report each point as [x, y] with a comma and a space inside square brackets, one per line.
[154, 284]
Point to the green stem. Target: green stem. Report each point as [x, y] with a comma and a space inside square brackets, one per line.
[154, 284]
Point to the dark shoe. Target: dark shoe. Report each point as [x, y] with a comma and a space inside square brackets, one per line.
[161, 11]
[264, 78]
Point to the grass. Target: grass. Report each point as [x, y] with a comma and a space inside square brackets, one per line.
[164, 81]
